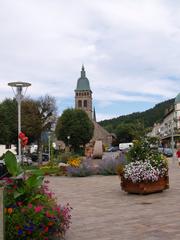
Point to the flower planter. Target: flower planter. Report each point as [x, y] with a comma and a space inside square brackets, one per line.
[145, 187]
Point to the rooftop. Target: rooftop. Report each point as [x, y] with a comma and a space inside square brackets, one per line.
[83, 82]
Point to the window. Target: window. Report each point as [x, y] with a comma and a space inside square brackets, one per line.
[85, 103]
[79, 103]
[8, 146]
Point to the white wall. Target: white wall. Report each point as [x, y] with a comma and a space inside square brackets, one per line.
[4, 150]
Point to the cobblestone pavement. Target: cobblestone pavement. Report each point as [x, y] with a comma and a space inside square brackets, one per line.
[102, 211]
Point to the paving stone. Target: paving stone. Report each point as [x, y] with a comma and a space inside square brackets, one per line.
[102, 211]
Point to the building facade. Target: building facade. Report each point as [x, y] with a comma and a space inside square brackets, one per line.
[168, 131]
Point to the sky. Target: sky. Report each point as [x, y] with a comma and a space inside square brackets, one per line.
[130, 50]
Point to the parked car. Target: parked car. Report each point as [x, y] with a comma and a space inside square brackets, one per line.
[168, 152]
[160, 149]
[26, 160]
[113, 149]
[125, 146]
[3, 169]
[45, 156]
[34, 157]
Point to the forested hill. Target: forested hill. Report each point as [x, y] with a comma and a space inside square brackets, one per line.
[146, 118]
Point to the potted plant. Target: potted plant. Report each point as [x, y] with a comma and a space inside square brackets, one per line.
[146, 170]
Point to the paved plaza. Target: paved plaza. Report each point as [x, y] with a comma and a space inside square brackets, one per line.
[102, 211]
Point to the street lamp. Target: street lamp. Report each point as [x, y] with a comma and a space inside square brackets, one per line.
[68, 137]
[172, 137]
[19, 94]
[49, 138]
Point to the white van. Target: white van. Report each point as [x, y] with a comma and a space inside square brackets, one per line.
[123, 146]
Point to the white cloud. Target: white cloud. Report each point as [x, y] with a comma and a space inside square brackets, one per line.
[130, 48]
[102, 116]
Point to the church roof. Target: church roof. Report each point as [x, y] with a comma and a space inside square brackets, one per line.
[83, 82]
[177, 99]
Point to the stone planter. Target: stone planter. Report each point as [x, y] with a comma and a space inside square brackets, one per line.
[145, 187]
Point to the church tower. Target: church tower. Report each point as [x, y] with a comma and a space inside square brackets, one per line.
[83, 94]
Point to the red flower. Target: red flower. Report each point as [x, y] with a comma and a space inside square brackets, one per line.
[46, 229]
[17, 227]
[24, 139]
[50, 215]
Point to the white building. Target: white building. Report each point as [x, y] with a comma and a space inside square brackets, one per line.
[169, 128]
[5, 148]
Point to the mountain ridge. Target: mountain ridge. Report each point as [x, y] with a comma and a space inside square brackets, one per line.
[147, 117]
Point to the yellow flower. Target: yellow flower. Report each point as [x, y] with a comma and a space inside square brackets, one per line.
[74, 162]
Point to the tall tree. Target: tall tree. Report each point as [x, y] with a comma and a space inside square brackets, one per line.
[38, 117]
[31, 120]
[76, 124]
[125, 133]
[8, 121]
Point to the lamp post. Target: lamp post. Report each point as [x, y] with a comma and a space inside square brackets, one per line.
[19, 96]
[172, 137]
[68, 137]
[49, 151]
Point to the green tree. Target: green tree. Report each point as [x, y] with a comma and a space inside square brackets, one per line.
[143, 120]
[31, 120]
[8, 121]
[125, 133]
[76, 124]
[38, 118]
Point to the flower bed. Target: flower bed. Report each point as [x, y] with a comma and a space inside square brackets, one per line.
[106, 166]
[31, 210]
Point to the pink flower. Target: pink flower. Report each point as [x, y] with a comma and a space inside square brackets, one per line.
[38, 209]
[19, 204]
[58, 209]
[30, 205]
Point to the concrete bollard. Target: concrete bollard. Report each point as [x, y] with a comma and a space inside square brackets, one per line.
[1, 213]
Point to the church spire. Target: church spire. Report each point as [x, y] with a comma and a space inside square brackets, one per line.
[83, 72]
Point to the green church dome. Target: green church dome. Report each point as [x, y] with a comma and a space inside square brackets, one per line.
[177, 99]
[83, 82]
